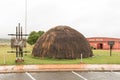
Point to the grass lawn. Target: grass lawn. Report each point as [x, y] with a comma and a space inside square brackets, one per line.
[100, 57]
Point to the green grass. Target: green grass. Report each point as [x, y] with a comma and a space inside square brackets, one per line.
[103, 57]
[100, 57]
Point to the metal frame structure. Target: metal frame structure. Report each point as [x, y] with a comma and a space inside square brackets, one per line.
[18, 43]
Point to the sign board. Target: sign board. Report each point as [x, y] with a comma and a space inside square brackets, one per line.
[111, 42]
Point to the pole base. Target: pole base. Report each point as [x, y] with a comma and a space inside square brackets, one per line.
[19, 60]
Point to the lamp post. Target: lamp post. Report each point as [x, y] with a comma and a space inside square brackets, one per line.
[25, 16]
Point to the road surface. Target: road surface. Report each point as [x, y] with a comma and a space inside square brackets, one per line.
[71, 75]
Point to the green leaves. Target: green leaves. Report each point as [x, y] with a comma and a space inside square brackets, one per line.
[34, 36]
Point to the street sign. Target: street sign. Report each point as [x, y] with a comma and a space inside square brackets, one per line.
[111, 43]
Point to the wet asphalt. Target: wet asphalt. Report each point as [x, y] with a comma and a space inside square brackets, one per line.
[71, 75]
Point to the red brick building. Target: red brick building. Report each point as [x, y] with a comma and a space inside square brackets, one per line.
[102, 42]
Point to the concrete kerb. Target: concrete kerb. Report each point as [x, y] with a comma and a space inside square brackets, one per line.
[59, 67]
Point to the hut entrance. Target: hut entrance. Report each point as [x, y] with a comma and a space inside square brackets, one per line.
[100, 46]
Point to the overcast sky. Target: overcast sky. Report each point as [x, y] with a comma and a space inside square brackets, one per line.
[92, 18]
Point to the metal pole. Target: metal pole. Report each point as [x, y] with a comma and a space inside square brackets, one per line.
[19, 30]
[25, 21]
[81, 58]
[16, 32]
[21, 33]
[25, 17]
[21, 44]
[17, 40]
[4, 58]
[110, 50]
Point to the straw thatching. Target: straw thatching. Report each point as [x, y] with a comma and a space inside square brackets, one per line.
[62, 42]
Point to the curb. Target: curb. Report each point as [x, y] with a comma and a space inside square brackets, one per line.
[59, 67]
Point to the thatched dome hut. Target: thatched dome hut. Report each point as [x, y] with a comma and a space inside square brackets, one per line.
[62, 42]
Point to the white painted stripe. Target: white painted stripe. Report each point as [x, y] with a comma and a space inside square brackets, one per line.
[116, 73]
[79, 75]
[30, 76]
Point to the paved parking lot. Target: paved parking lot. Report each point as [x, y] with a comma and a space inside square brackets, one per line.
[71, 75]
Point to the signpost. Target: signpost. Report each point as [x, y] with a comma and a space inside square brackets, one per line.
[111, 43]
[18, 43]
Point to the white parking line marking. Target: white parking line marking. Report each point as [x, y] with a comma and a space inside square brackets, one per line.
[30, 76]
[79, 75]
[117, 73]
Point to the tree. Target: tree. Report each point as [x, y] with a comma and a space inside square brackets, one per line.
[34, 36]
[40, 33]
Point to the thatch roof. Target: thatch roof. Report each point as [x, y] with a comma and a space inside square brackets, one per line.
[62, 42]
